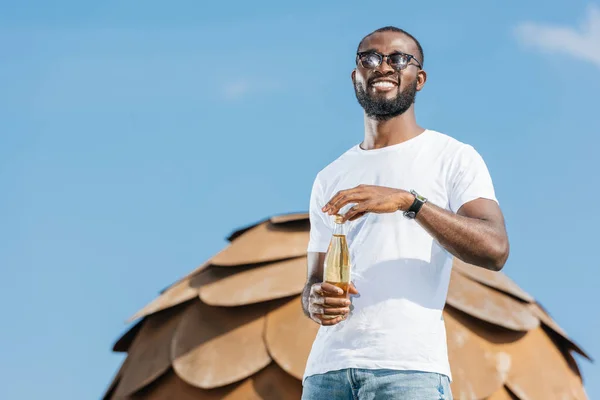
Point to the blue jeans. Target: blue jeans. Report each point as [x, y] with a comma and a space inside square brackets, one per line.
[377, 384]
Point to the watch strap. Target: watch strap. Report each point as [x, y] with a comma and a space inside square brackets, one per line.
[415, 207]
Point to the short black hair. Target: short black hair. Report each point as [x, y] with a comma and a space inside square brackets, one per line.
[395, 29]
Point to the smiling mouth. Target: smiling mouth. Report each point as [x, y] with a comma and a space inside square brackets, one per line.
[383, 86]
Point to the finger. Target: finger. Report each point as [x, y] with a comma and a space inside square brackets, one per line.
[315, 309]
[336, 311]
[320, 316]
[340, 196]
[328, 313]
[352, 289]
[347, 199]
[357, 216]
[335, 302]
[316, 289]
[332, 321]
[335, 198]
[322, 319]
[356, 212]
[328, 288]
[328, 301]
[316, 299]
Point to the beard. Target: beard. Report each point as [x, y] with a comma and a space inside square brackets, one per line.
[382, 109]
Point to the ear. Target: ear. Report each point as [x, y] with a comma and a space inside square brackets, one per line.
[353, 75]
[421, 79]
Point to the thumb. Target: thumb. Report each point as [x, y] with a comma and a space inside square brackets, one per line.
[352, 289]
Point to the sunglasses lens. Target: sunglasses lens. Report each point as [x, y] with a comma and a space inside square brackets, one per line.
[398, 61]
[370, 60]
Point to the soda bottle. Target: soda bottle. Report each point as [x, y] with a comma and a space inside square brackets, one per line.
[336, 269]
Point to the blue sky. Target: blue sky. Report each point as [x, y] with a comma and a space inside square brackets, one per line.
[135, 136]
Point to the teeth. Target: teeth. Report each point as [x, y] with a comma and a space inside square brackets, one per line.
[383, 84]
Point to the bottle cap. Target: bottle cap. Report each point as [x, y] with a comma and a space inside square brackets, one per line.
[338, 219]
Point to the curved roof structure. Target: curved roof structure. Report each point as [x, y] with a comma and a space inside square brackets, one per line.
[234, 329]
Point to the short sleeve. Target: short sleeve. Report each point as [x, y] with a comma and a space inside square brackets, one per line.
[320, 229]
[469, 179]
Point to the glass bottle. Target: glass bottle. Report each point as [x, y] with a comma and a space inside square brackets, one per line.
[337, 259]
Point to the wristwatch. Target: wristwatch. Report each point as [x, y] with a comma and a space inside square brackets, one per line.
[412, 212]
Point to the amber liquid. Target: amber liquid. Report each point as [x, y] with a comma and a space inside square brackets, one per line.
[337, 265]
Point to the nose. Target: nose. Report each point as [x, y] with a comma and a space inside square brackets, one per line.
[385, 68]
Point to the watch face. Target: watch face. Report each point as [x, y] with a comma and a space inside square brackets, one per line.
[418, 196]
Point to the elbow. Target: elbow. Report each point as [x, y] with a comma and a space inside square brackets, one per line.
[498, 255]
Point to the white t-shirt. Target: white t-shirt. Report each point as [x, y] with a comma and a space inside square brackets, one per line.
[402, 274]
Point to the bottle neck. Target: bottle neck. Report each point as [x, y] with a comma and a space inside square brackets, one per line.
[338, 229]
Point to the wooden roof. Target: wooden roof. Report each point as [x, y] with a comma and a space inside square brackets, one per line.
[234, 329]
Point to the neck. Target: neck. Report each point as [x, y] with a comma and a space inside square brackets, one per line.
[393, 131]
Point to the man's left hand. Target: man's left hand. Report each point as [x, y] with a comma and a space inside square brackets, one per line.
[369, 198]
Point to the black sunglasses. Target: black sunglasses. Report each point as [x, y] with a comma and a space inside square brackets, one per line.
[373, 59]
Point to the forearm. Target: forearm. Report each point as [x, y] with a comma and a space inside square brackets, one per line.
[475, 234]
[473, 240]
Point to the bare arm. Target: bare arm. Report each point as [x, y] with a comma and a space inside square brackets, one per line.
[476, 234]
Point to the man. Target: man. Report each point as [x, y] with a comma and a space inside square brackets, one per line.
[411, 199]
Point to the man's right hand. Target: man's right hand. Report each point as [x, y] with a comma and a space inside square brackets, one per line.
[325, 306]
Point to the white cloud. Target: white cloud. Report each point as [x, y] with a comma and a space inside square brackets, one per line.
[582, 42]
[240, 89]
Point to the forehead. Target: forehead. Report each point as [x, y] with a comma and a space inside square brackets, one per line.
[389, 42]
